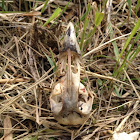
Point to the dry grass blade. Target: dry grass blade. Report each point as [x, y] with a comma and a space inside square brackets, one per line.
[109, 36]
[121, 125]
[106, 77]
[16, 80]
[8, 129]
[132, 85]
[26, 90]
[102, 46]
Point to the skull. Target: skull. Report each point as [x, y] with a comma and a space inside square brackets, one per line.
[70, 102]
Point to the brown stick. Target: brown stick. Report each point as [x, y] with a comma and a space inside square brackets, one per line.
[15, 80]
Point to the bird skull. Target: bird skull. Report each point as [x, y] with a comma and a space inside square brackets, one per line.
[70, 102]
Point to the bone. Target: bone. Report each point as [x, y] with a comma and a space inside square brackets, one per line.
[70, 102]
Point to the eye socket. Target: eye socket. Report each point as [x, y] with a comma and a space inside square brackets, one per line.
[80, 98]
[59, 99]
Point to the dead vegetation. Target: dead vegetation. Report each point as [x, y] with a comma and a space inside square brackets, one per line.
[29, 53]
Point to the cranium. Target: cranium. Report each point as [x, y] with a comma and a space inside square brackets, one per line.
[70, 102]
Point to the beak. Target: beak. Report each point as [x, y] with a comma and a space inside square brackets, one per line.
[70, 41]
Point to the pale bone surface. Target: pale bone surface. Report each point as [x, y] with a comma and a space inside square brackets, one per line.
[70, 102]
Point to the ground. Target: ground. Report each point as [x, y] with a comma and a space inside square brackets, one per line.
[31, 35]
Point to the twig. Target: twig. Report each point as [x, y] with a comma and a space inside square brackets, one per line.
[15, 80]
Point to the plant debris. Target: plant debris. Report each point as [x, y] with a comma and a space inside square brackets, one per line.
[29, 54]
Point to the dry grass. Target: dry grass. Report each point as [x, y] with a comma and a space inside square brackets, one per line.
[26, 75]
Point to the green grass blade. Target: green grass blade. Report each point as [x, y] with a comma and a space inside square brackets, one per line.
[84, 16]
[90, 34]
[83, 34]
[53, 16]
[116, 90]
[26, 6]
[2, 5]
[127, 57]
[136, 39]
[116, 50]
[130, 37]
[98, 18]
[85, 26]
[54, 62]
[100, 83]
[137, 6]
[42, 10]
[129, 50]
[34, 138]
[86, 13]
[136, 52]
[51, 62]
[129, 6]
[65, 8]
